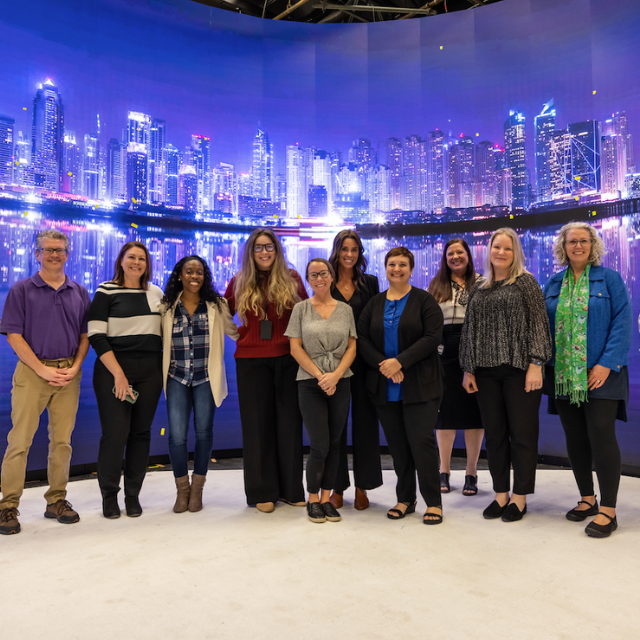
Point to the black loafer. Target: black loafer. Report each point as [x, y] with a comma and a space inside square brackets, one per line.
[132, 505]
[512, 513]
[315, 512]
[110, 508]
[578, 515]
[594, 530]
[330, 512]
[494, 511]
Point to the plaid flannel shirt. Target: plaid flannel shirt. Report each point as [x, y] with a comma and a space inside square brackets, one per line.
[190, 346]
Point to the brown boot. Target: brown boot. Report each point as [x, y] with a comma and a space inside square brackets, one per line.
[182, 499]
[195, 497]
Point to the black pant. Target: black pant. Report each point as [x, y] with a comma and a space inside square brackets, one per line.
[271, 429]
[324, 418]
[126, 427]
[590, 430]
[365, 437]
[409, 429]
[511, 423]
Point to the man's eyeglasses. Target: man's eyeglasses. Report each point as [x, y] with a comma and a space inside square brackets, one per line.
[50, 252]
[269, 248]
[319, 274]
[578, 243]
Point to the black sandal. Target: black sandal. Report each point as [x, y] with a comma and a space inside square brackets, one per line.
[470, 486]
[434, 518]
[398, 514]
[444, 483]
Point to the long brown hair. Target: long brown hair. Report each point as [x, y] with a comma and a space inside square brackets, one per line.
[118, 275]
[252, 289]
[440, 286]
[359, 268]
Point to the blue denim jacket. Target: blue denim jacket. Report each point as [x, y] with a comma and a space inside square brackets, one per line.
[609, 319]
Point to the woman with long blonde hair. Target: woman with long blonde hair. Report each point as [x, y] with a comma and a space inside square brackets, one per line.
[263, 294]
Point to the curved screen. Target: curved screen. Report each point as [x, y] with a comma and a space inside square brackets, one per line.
[185, 126]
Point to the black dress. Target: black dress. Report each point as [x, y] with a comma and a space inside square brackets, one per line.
[365, 431]
[459, 409]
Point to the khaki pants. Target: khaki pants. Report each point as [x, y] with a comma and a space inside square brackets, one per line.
[30, 396]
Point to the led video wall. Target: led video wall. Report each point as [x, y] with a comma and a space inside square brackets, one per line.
[185, 126]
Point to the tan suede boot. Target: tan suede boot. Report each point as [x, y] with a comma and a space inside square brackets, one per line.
[195, 497]
[182, 499]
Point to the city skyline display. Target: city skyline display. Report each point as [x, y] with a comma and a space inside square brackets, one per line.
[183, 126]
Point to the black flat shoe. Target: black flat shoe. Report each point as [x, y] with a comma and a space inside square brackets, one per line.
[110, 508]
[470, 486]
[512, 513]
[602, 530]
[330, 512]
[315, 512]
[132, 505]
[494, 511]
[444, 483]
[578, 515]
[397, 514]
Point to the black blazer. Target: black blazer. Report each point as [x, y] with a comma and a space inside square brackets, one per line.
[419, 334]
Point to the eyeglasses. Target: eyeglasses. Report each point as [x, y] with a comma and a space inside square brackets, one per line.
[50, 252]
[578, 243]
[319, 274]
[269, 248]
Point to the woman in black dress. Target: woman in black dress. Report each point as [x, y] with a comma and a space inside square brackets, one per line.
[459, 410]
[356, 288]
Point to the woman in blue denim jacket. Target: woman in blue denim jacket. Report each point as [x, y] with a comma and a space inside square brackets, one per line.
[590, 316]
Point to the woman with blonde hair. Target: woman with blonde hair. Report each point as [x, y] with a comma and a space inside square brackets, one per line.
[588, 383]
[263, 294]
[505, 343]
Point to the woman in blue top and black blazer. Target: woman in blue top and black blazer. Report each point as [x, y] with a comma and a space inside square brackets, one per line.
[405, 381]
[589, 401]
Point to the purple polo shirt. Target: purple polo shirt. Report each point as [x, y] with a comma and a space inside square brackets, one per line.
[51, 321]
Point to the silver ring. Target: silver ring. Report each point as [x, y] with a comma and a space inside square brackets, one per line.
[598, 381]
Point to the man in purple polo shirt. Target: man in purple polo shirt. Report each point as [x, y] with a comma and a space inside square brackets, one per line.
[45, 321]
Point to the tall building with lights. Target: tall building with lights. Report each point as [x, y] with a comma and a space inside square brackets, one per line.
[157, 141]
[395, 162]
[201, 161]
[560, 164]
[116, 170]
[47, 137]
[137, 173]
[516, 158]
[262, 171]
[7, 126]
[585, 156]
[545, 125]
[71, 164]
[485, 174]
[413, 172]
[90, 167]
[461, 173]
[172, 160]
[436, 156]
[297, 201]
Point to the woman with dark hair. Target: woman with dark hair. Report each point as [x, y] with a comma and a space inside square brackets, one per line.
[399, 333]
[322, 333]
[459, 410]
[355, 287]
[124, 330]
[195, 318]
[590, 314]
[263, 293]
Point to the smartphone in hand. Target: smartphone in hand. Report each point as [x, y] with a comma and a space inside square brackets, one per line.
[128, 398]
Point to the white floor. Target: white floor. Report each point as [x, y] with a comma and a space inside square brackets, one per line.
[232, 572]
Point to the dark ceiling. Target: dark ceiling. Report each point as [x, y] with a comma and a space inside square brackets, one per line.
[321, 11]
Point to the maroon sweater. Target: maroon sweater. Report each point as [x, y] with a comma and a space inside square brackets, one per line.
[249, 344]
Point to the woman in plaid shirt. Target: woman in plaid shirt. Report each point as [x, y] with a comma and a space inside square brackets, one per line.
[195, 318]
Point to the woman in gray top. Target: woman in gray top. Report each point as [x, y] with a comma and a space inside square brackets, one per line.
[322, 333]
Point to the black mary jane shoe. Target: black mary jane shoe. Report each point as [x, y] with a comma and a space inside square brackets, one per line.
[512, 513]
[397, 514]
[594, 530]
[494, 510]
[470, 486]
[132, 506]
[444, 483]
[578, 515]
[110, 508]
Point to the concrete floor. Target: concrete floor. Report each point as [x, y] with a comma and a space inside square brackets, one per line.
[233, 572]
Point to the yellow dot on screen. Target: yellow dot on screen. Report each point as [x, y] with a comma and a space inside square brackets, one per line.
[441, 48]
[594, 92]
[511, 216]
[477, 135]
[161, 432]
[134, 225]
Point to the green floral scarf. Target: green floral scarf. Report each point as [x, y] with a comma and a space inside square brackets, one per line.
[571, 337]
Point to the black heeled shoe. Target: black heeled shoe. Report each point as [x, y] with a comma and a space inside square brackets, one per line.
[398, 514]
[470, 486]
[110, 508]
[432, 518]
[602, 530]
[578, 515]
[494, 510]
[444, 483]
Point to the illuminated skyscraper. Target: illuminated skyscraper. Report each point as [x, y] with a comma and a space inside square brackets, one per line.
[139, 129]
[436, 172]
[585, 156]
[157, 140]
[202, 164]
[322, 174]
[297, 202]
[172, 161]
[188, 187]
[137, 176]
[6, 149]
[413, 172]
[116, 170]
[394, 162]
[262, 167]
[225, 188]
[71, 164]
[47, 137]
[516, 158]
[363, 154]
[317, 201]
[545, 125]
[461, 173]
[90, 167]
[560, 164]
[485, 174]
[22, 169]
[379, 189]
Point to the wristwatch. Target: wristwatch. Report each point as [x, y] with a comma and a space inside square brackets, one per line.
[539, 363]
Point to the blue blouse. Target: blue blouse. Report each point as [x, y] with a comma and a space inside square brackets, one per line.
[392, 311]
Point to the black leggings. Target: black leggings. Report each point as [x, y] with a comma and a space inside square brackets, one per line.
[324, 418]
[590, 430]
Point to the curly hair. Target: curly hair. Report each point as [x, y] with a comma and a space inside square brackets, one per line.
[174, 286]
[118, 275]
[597, 245]
[359, 268]
[252, 287]
[440, 286]
[517, 266]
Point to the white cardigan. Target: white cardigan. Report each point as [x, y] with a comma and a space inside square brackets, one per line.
[219, 324]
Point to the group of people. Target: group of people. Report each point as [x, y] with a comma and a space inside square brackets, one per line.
[473, 352]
